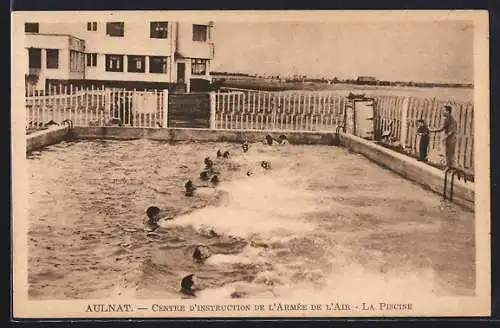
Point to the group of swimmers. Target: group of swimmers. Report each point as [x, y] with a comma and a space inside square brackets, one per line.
[210, 174]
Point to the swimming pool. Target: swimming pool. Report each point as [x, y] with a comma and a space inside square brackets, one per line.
[321, 221]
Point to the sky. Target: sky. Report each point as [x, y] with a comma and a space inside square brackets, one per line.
[440, 51]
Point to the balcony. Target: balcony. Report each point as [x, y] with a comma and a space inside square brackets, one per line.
[55, 41]
[76, 44]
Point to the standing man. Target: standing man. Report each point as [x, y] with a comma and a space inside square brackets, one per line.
[450, 138]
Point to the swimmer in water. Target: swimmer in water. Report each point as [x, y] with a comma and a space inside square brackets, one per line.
[282, 140]
[219, 154]
[204, 175]
[187, 284]
[244, 146]
[226, 154]
[208, 163]
[214, 180]
[189, 188]
[265, 165]
[269, 140]
[200, 254]
[153, 214]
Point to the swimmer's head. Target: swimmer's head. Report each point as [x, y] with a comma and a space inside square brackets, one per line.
[187, 284]
[188, 184]
[215, 179]
[197, 255]
[282, 137]
[152, 213]
[244, 146]
[266, 165]
[269, 139]
[219, 153]
[189, 188]
[204, 176]
[226, 154]
[249, 173]
[208, 162]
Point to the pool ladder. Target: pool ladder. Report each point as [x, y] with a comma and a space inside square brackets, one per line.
[69, 123]
[459, 173]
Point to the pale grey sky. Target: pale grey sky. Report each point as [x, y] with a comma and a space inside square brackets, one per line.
[419, 51]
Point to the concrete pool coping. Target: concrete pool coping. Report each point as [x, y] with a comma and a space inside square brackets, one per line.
[46, 137]
[407, 167]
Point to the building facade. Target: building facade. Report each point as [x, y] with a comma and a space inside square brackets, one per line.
[145, 55]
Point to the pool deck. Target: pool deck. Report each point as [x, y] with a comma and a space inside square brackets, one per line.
[409, 168]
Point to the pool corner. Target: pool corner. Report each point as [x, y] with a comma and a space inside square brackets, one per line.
[46, 137]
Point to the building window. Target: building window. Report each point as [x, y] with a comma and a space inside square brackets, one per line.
[114, 63]
[157, 64]
[53, 58]
[91, 26]
[200, 33]
[31, 27]
[198, 66]
[76, 61]
[136, 64]
[159, 30]
[91, 60]
[35, 58]
[115, 29]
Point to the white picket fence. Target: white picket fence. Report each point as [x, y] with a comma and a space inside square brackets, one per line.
[95, 107]
[290, 110]
[250, 110]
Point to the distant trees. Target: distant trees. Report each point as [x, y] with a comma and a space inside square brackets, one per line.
[362, 80]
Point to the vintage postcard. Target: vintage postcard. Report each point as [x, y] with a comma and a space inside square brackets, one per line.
[250, 164]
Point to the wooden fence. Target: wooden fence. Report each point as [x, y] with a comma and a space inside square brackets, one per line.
[94, 107]
[387, 116]
[430, 111]
[404, 113]
[291, 111]
[252, 109]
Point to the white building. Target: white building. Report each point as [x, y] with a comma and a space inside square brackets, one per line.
[145, 55]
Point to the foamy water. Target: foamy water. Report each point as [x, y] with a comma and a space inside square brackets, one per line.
[322, 222]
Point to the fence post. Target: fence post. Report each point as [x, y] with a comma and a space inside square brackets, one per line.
[404, 121]
[165, 108]
[213, 99]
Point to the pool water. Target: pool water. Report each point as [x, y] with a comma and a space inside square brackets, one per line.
[321, 221]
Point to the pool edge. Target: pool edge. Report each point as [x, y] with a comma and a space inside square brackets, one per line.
[44, 138]
[411, 169]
